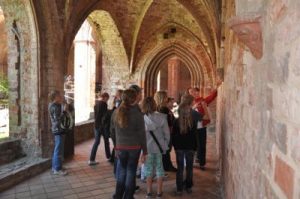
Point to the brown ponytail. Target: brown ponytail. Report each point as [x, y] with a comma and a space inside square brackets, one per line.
[185, 118]
[128, 98]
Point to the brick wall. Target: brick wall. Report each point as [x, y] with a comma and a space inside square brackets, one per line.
[84, 131]
[258, 111]
[22, 74]
[10, 150]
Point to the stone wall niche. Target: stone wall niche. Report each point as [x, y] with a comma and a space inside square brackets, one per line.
[247, 28]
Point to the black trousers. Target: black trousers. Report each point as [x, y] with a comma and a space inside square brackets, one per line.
[166, 159]
[201, 152]
[98, 134]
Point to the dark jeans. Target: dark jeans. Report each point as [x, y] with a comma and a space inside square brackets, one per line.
[98, 134]
[188, 155]
[166, 158]
[126, 173]
[114, 159]
[201, 152]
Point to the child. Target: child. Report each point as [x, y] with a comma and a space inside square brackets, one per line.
[185, 143]
[56, 111]
[128, 131]
[158, 138]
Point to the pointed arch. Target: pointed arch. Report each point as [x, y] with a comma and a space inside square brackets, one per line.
[137, 30]
[185, 38]
[152, 65]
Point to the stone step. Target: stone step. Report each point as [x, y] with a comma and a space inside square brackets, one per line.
[20, 170]
[10, 150]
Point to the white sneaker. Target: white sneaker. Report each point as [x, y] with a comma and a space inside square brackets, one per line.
[60, 173]
[91, 163]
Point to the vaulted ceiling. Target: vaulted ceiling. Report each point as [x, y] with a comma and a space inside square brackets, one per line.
[140, 21]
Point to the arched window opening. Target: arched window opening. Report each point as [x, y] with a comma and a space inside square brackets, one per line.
[174, 77]
[81, 83]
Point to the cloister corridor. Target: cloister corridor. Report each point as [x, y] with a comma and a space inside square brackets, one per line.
[238, 59]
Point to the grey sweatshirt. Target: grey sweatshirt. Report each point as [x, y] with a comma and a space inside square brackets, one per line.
[158, 123]
[133, 136]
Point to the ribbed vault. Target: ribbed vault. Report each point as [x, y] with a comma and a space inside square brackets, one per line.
[152, 66]
[138, 20]
[155, 44]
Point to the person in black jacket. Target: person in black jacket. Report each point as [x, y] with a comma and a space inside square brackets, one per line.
[185, 142]
[56, 112]
[101, 128]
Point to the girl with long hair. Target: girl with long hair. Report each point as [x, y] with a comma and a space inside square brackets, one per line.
[128, 130]
[185, 143]
[161, 99]
[158, 138]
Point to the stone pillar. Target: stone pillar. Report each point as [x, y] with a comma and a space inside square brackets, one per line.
[173, 76]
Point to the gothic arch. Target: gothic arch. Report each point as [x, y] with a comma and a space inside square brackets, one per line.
[184, 38]
[152, 66]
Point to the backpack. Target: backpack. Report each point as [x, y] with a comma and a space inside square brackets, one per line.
[67, 121]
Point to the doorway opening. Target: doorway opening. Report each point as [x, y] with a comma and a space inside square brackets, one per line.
[83, 78]
[174, 77]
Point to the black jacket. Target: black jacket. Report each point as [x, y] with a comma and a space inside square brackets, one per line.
[168, 112]
[186, 141]
[56, 113]
[100, 109]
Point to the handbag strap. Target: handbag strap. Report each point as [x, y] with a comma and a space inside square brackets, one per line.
[156, 141]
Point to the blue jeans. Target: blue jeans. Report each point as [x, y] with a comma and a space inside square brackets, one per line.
[188, 155]
[126, 173]
[98, 134]
[57, 157]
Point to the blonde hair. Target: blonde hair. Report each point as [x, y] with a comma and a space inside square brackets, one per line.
[161, 98]
[121, 117]
[185, 118]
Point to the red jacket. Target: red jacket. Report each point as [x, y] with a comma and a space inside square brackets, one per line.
[207, 100]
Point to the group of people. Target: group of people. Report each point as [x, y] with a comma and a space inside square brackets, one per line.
[145, 130]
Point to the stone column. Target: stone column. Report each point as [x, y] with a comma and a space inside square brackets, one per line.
[173, 76]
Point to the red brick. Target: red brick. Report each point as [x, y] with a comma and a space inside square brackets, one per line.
[284, 177]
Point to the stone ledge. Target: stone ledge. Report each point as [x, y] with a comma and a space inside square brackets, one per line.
[83, 131]
[29, 169]
[10, 150]
[84, 122]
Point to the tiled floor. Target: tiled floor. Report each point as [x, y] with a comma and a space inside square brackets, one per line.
[84, 181]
